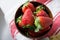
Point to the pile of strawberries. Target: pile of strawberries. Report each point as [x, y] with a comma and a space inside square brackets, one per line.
[35, 19]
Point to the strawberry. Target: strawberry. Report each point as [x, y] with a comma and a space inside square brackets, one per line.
[42, 22]
[45, 21]
[20, 24]
[28, 5]
[27, 18]
[19, 21]
[40, 11]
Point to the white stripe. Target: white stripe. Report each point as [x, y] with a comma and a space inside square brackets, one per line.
[15, 32]
[47, 2]
[57, 31]
[56, 17]
[11, 23]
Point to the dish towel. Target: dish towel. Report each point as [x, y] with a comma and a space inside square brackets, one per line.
[54, 6]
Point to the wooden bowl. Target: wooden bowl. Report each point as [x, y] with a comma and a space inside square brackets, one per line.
[19, 12]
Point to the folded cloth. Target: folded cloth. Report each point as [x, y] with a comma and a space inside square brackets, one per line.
[54, 30]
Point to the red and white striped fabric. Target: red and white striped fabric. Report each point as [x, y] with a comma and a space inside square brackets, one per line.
[43, 1]
[55, 28]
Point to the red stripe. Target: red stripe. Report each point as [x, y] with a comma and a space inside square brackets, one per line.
[57, 14]
[43, 1]
[47, 2]
[13, 28]
[57, 31]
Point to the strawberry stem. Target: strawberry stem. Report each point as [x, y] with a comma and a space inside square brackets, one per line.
[19, 19]
[39, 8]
[25, 4]
[37, 24]
[30, 27]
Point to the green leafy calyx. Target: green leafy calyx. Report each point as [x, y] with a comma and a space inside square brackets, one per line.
[37, 24]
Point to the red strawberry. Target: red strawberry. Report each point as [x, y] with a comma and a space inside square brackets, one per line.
[42, 22]
[20, 24]
[28, 5]
[45, 21]
[40, 11]
[27, 18]
[19, 21]
[41, 32]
